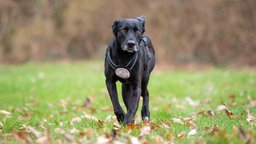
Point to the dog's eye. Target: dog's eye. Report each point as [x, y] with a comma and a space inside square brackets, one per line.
[123, 31]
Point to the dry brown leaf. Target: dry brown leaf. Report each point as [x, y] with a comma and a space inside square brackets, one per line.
[228, 112]
[74, 131]
[192, 132]
[4, 112]
[134, 140]
[42, 140]
[107, 108]
[32, 104]
[103, 140]
[153, 125]
[245, 136]
[177, 120]
[132, 126]
[100, 123]
[250, 118]
[70, 138]
[74, 120]
[221, 107]
[164, 124]
[145, 130]
[208, 129]
[22, 135]
[25, 116]
[90, 117]
[210, 113]
[171, 138]
[137, 120]
[215, 128]
[82, 134]
[191, 102]
[181, 135]
[168, 107]
[59, 130]
[202, 112]
[36, 133]
[116, 126]
[87, 102]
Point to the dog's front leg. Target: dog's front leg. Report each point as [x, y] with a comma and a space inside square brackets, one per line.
[115, 102]
[135, 98]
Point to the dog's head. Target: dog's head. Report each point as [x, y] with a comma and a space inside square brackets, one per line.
[129, 32]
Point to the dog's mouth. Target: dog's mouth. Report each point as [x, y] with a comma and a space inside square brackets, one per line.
[130, 49]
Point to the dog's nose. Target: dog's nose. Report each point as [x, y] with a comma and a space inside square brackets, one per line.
[131, 43]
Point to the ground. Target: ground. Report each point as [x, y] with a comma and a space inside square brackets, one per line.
[69, 103]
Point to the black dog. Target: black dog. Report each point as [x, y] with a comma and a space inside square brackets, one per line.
[130, 58]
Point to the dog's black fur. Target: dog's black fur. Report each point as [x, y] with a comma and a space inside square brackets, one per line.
[129, 40]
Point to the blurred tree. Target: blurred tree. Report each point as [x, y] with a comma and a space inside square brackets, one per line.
[220, 32]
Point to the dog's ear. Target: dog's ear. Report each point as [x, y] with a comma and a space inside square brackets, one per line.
[114, 26]
[142, 19]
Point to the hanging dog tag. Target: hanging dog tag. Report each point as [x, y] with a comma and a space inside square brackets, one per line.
[122, 72]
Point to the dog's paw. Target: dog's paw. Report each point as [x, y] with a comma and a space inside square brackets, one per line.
[120, 116]
[145, 119]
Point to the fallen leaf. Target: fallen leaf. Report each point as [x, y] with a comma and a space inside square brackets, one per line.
[32, 104]
[177, 120]
[25, 116]
[215, 128]
[192, 132]
[202, 112]
[250, 118]
[145, 130]
[137, 120]
[168, 107]
[4, 112]
[134, 140]
[171, 138]
[87, 102]
[70, 138]
[90, 117]
[244, 135]
[208, 129]
[232, 97]
[100, 123]
[181, 135]
[22, 135]
[221, 107]
[132, 126]
[74, 120]
[42, 140]
[153, 125]
[191, 102]
[36, 133]
[107, 108]
[59, 130]
[158, 139]
[210, 113]
[228, 112]
[116, 126]
[74, 131]
[103, 140]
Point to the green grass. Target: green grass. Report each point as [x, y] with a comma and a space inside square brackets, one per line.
[51, 95]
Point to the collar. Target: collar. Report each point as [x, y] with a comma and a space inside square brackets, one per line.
[129, 65]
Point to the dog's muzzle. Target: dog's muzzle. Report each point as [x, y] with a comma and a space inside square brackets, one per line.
[130, 46]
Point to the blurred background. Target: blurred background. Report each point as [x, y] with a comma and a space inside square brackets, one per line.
[215, 32]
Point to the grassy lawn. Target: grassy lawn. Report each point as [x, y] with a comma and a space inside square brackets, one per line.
[68, 103]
